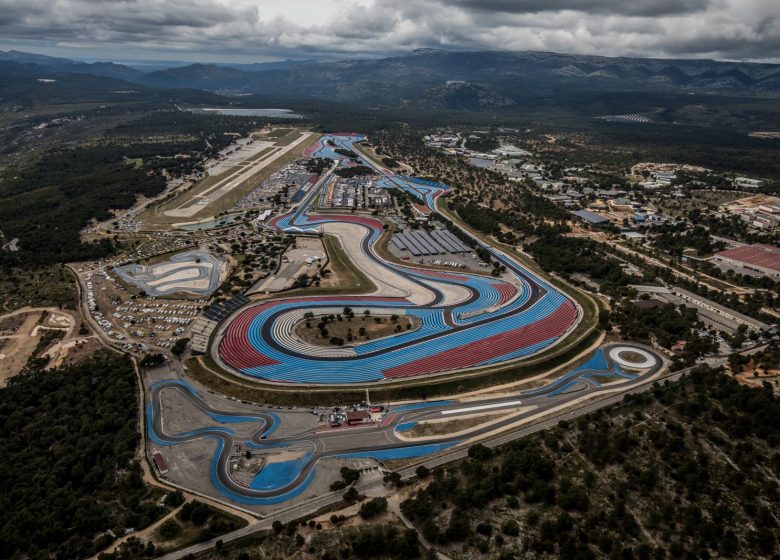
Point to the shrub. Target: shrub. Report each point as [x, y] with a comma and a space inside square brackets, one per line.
[510, 527]
[169, 530]
[373, 508]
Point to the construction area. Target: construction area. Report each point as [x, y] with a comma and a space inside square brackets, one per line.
[31, 333]
[305, 257]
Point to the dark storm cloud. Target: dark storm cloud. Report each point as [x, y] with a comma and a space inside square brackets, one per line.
[234, 29]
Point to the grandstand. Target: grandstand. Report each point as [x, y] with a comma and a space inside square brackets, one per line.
[424, 243]
[222, 309]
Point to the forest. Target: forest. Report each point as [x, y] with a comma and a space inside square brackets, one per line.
[354, 171]
[686, 470]
[570, 255]
[47, 202]
[674, 239]
[68, 439]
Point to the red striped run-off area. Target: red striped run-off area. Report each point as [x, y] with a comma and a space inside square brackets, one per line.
[482, 350]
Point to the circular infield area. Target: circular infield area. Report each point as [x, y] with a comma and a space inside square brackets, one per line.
[466, 320]
[632, 357]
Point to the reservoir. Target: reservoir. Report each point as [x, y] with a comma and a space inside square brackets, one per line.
[235, 112]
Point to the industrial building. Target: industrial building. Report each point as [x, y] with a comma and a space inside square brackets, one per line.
[747, 183]
[590, 217]
[424, 243]
[712, 313]
[759, 258]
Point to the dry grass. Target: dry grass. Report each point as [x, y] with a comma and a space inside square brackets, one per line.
[443, 428]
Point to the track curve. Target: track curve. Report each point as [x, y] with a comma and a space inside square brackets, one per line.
[381, 441]
[501, 320]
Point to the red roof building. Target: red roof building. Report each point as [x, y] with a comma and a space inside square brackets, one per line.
[358, 416]
[761, 258]
[160, 463]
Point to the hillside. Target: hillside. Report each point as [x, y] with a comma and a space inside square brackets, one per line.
[42, 64]
[404, 77]
[415, 77]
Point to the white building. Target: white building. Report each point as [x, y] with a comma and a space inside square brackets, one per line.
[747, 183]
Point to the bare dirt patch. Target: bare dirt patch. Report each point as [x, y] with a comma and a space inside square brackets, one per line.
[355, 330]
[19, 346]
[446, 427]
[9, 325]
[81, 349]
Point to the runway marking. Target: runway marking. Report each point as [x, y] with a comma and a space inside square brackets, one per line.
[481, 407]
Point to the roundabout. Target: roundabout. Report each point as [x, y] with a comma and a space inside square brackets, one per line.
[632, 357]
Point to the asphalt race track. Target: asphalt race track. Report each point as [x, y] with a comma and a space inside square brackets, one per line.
[501, 320]
[612, 367]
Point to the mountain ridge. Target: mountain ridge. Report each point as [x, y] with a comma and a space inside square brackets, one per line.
[423, 75]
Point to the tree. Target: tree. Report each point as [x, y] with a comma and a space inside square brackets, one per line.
[351, 494]
[152, 360]
[373, 507]
[349, 475]
[480, 452]
[180, 346]
[170, 529]
[392, 478]
[174, 499]
[510, 527]
[301, 281]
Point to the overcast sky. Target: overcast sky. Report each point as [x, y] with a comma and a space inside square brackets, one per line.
[260, 30]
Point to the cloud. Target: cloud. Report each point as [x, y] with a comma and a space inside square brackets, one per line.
[262, 29]
[651, 8]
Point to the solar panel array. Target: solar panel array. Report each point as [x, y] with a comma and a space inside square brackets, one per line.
[222, 309]
[424, 243]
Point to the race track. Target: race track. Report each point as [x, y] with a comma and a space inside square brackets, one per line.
[501, 320]
[386, 440]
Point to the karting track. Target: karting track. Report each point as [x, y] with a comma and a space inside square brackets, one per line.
[501, 319]
[385, 441]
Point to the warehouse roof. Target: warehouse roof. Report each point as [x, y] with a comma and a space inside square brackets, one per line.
[766, 256]
[591, 217]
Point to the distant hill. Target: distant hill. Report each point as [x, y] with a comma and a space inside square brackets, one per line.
[414, 78]
[204, 76]
[463, 96]
[38, 63]
[266, 66]
[436, 79]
